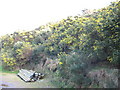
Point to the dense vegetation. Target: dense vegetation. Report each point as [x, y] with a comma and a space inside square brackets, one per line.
[78, 43]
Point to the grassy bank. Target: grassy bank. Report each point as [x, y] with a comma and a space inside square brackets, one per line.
[6, 71]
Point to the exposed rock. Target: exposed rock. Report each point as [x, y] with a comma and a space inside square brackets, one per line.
[104, 78]
[48, 64]
[51, 64]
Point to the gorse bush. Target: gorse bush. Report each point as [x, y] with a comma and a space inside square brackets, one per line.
[97, 34]
[7, 57]
[95, 37]
[37, 54]
[74, 69]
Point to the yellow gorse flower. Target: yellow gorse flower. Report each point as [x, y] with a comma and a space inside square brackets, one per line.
[60, 63]
[30, 36]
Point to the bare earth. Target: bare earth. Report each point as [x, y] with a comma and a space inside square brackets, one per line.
[8, 80]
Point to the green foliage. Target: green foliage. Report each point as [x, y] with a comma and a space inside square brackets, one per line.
[37, 54]
[74, 69]
[6, 56]
[97, 34]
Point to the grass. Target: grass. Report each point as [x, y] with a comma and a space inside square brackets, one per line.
[6, 71]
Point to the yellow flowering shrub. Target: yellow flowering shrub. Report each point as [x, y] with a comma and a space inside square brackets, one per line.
[10, 61]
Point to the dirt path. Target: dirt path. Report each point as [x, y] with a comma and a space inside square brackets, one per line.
[8, 80]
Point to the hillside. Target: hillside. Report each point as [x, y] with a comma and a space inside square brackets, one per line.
[73, 50]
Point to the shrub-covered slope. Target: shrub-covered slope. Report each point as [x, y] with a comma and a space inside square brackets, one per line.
[78, 43]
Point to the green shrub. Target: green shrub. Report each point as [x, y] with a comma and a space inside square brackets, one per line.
[74, 69]
[37, 54]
